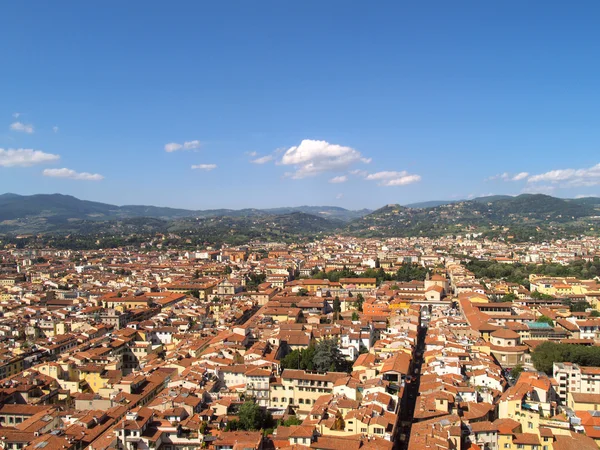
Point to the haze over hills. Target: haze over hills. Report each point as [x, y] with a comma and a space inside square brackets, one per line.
[529, 213]
[59, 206]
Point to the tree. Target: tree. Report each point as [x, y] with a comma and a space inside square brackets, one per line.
[337, 307]
[302, 292]
[359, 302]
[203, 427]
[196, 274]
[545, 319]
[580, 306]
[328, 357]
[547, 353]
[409, 272]
[252, 416]
[299, 359]
[233, 425]
[539, 296]
[355, 316]
[516, 371]
[195, 293]
[509, 297]
[595, 313]
[291, 421]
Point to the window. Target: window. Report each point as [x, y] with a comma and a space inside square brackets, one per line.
[530, 425]
[520, 446]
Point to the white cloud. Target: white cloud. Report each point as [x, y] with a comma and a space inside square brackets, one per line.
[570, 177]
[187, 145]
[393, 178]
[191, 145]
[360, 173]
[172, 147]
[22, 127]
[55, 129]
[402, 181]
[508, 177]
[204, 166]
[24, 157]
[313, 157]
[262, 160]
[520, 176]
[339, 179]
[16, 115]
[538, 189]
[251, 154]
[71, 174]
[339, 196]
[501, 176]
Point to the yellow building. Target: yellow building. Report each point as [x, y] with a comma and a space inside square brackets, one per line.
[358, 283]
[301, 389]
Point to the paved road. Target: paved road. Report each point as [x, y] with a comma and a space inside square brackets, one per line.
[411, 391]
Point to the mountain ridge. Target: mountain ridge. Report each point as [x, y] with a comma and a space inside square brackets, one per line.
[523, 216]
[15, 206]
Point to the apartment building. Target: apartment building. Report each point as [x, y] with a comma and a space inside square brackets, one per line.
[301, 389]
[573, 378]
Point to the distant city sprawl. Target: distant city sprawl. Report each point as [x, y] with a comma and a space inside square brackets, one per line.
[460, 341]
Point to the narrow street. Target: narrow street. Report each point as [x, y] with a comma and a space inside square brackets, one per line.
[407, 407]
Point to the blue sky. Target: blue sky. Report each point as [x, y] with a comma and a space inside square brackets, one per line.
[281, 103]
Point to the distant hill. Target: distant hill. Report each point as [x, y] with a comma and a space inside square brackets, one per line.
[527, 211]
[492, 198]
[429, 204]
[586, 200]
[14, 206]
[519, 217]
[436, 203]
[65, 213]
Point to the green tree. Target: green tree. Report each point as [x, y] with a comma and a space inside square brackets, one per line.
[595, 313]
[233, 425]
[545, 319]
[355, 316]
[252, 416]
[580, 306]
[337, 308]
[509, 297]
[548, 353]
[291, 421]
[539, 296]
[203, 427]
[299, 359]
[328, 357]
[516, 371]
[359, 302]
